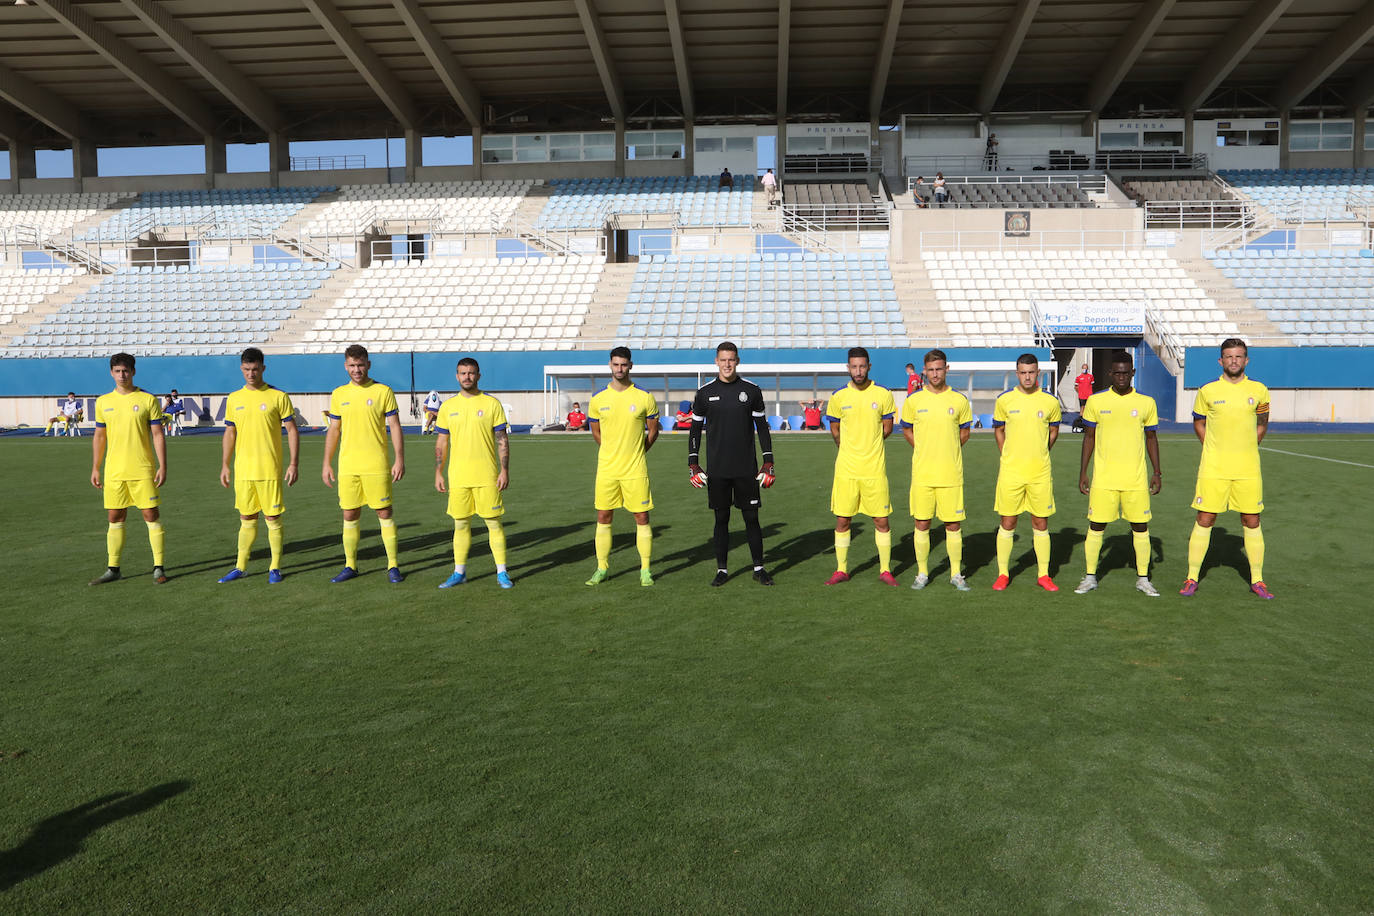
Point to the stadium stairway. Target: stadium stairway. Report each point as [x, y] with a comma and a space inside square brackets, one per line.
[607, 307]
[916, 295]
[288, 337]
[310, 211]
[531, 205]
[1250, 321]
[51, 306]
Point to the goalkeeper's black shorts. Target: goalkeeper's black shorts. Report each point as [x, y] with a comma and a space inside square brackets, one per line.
[740, 492]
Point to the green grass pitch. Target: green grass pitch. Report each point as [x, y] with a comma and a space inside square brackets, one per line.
[308, 747]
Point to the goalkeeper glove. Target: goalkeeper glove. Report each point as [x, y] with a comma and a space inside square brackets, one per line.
[697, 476]
[766, 477]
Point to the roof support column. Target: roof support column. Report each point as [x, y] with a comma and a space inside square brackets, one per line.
[278, 157]
[1283, 138]
[619, 147]
[781, 147]
[414, 152]
[216, 159]
[84, 163]
[1361, 118]
[1189, 148]
[689, 146]
[477, 152]
[23, 165]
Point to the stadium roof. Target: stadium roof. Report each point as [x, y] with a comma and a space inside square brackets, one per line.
[144, 72]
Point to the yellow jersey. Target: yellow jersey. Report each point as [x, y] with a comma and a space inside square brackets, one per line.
[257, 417]
[471, 423]
[860, 414]
[362, 411]
[128, 420]
[1230, 448]
[621, 416]
[1027, 419]
[935, 421]
[1121, 421]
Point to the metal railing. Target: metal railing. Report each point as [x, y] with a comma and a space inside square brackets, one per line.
[1162, 332]
[833, 164]
[1149, 160]
[1001, 163]
[1044, 337]
[795, 217]
[325, 163]
[1199, 214]
[1051, 240]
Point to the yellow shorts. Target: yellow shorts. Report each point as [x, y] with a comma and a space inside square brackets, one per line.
[372, 490]
[851, 496]
[946, 502]
[1217, 494]
[1109, 505]
[254, 496]
[467, 501]
[1017, 496]
[121, 494]
[630, 493]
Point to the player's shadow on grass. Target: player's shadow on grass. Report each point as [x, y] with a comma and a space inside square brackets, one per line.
[581, 552]
[55, 839]
[1227, 549]
[1062, 543]
[801, 548]
[293, 548]
[705, 552]
[1118, 555]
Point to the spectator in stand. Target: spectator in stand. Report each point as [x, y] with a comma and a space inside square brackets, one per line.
[1083, 384]
[683, 418]
[727, 180]
[990, 154]
[770, 187]
[941, 192]
[914, 382]
[576, 418]
[918, 190]
[811, 414]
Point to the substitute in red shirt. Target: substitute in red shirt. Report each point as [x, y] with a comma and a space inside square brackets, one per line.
[914, 382]
[576, 418]
[1084, 384]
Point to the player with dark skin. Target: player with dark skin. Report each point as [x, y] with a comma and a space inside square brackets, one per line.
[1233, 362]
[858, 374]
[1121, 374]
[1028, 379]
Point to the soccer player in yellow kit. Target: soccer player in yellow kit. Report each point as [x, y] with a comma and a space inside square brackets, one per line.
[253, 419]
[624, 422]
[1025, 423]
[861, 415]
[936, 421]
[474, 442]
[1119, 427]
[1230, 417]
[360, 415]
[129, 438]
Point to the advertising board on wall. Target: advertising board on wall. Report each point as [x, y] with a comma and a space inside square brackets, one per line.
[1087, 316]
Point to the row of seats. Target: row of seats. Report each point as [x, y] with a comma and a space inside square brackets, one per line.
[1315, 295]
[587, 203]
[221, 212]
[468, 206]
[446, 306]
[826, 194]
[1003, 194]
[21, 290]
[1175, 189]
[23, 216]
[1332, 194]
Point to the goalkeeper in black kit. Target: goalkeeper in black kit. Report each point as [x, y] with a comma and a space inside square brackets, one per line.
[731, 410]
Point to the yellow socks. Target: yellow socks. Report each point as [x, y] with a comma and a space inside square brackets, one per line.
[1198, 543]
[248, 533]
[1254, 551]
[496, 538]
[923, 552]
[884, 542]
[842, 551]
[275, 536]
[1041, 540]
[1092, 550]
[644, 542]
[350, 543]
[389, 540]
[1140, 540]
[155, 541]
[114, 542]
[603, 546]
[462, 543]
[1005, 539]
[954, 545]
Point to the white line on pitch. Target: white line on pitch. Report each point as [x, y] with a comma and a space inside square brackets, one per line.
[1314, 457]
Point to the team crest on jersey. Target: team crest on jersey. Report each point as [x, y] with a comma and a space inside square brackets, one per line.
[1252, 401]
[262, 407]
[135, 408]
[479, 413]
[1040, 414]
[1135, 413]
[632, 408]
[369, 402]
[743, 397]
[951, 411]
[874, 405]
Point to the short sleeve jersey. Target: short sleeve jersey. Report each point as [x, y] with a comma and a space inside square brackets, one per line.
[1119, 452]
[862, 455]
[257, 417]
[432, 401]
[935, 421]
[128, 420]
[471, 423]
[1230, 448]
[621, 416]
[729, 411]
[362, 411]
[71, 408]
[1027, 418]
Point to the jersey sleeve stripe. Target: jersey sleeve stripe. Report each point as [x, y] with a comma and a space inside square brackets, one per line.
[228, 422]
[997, 423]
[759, 413]
[888, 416]
[1150, 429]
[967, 425]
[499, 429]
[1199, 416]
[99, 425]
[903, 425]
[698, 418]
[392, 413]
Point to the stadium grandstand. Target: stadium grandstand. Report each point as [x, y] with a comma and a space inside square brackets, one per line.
[561, 177]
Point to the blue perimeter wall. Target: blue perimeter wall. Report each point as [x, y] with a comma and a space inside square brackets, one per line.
[502, 371]
[1289, 367]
